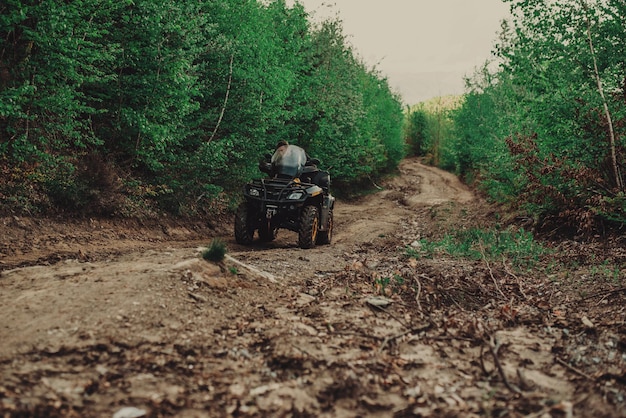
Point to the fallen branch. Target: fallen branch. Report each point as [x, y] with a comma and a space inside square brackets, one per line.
[374, 183]
[198, 298]
[494, 347]
[380, 308]
[604, 293]
[482, 361]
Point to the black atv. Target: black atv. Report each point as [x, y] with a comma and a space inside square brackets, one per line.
[295, 196]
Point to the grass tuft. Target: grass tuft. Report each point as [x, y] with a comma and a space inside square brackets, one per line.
[517, 246]
[216, 251]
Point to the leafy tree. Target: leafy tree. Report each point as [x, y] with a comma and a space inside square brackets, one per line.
[429, 127]
[416, 131]
[51, 53]
[172, 102]
[555, 112]
[356, 125]
[384, 113]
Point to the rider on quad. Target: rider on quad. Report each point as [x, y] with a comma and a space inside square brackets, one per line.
[286, 161]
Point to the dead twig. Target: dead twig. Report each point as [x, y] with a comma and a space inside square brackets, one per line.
[380, 308]
[423, 276]
[457, 304]
[495, 282]
[604, 293]
[305, 352]
[482, 361]
[494, 347]
[452, 338]
[573, 369]
[414, 330]
[517, 279]
[418, 293]
[374, 183]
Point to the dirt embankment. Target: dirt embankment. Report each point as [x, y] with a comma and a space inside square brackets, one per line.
[121, 320]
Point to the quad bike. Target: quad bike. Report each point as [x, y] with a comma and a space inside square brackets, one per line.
[289, 198]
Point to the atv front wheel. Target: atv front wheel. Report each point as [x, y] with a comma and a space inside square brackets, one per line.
[324, 237]
[266, 232]
[244, 227]
[309, 223]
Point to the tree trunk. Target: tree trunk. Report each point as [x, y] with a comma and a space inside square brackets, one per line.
[230, 80]
[616, 172]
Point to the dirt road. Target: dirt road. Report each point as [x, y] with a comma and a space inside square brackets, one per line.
[102, 319]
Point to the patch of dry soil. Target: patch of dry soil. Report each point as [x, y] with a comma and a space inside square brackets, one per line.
[109, 319]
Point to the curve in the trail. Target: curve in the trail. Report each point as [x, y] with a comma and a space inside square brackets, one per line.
[417, 186]
[424, 185]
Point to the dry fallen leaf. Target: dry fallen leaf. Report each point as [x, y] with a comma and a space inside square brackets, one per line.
[587, 322]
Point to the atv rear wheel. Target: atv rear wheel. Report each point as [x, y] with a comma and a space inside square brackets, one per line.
[244, 226]
[325, 237]
[309, 223]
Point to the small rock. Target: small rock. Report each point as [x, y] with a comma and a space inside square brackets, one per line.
[198, 298]
[129, 412]
[305, 299]
[413, 392]
[237, 389]
[379, 302]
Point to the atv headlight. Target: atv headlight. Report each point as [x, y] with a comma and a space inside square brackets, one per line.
[295, 196]
[254, 192]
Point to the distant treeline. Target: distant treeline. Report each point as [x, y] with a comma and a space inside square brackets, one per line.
[542, 128]
[121, 107]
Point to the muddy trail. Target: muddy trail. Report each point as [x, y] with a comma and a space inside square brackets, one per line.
[103, 318]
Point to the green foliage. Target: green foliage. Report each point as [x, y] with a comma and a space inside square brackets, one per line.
[534, 131]
[480, 155]
[428, 130]
[416, 132]
[216, 251]
[517, 246]
[182, 97]
[386, 285]
[356, 122]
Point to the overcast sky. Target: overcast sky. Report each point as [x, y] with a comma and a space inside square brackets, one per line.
[424, 47]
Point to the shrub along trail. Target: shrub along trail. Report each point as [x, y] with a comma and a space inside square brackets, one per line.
[125, 319]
